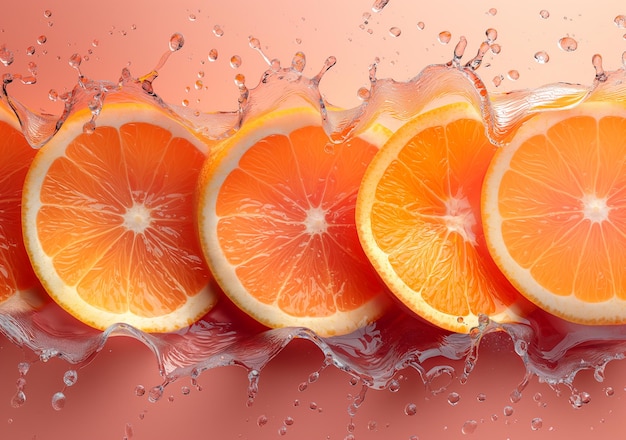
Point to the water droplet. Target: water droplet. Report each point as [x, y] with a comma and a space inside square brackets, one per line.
[58, 401]
[492, 11]
[313, 377]
[296, 402]
[282, 430]
[30, 50]
[262, 420]
[620, 21]
[537, 397]
[303, 386]
[351, 426]
[444, 37]
[89, 127]
[6, 56]
[155, 393]
[494, 417]
[140, 390]
[542, 57]
[235, 61]
[218, 31]
[394, 386]
[288, 421]
[495, 49]
[395, 31]
[469, 427]
[514, 75]
[198, 85]
[453, 398]
[372, 425]
[212, 55]
[176, 42]
[568, 44]
[410, 409]
[609, 391]
[185, 390]
[492, 35]
[313, 405]
[70, 377]
[544, 13]
[192, 17]
[379, 5]
[481, 397]
[508, 411]
[42, 39]
[421, 25]
[536, 424]
[18, 399]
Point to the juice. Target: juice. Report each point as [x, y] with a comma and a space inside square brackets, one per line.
[399, 355]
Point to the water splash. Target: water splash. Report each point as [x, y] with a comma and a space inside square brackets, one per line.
[551, 349]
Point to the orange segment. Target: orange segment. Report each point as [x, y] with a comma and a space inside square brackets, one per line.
[418, 219]
[16, 274]
[109, 223]
[555, 212]
[276, 216]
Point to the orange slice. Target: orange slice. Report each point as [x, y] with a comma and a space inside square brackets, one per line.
[418, 219]
[108, 220]
[276, 221]
[16, 274]
[555, 212]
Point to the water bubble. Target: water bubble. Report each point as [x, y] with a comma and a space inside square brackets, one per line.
[544, 13]
[372, 425]
[89, 127]
[155, 393]
[303, 386]
[47, 13]
[410, 409]
[394, 386]
[58, 401]
[313, 405]
[75, 61]
[313, 377]
[30, 50]
[481, 397]
[282, 430]
[536, 424]
[495, 48]
[192, 17]
[537, 397]
[542, 57]
[379, 5]
[70, 377]
[364, 94]
[514, 75]
[620, 21]
[609, 391]
[212, 55]
[235, 61]
[198, 85]
[444, 37]
[42, 39]
[288, 421]
[568, 44]
[469, 427]
[18, 399]
[351, 426]
[140, 390]
[262, 420]
[95, 42]
[6, 56]
[185, 390]
[176, 41]
[494, 417]
[492, 11]
[508, 411]
[492, 35]
[395, 31]
[453, 398]
[218, 31]
[515, 396]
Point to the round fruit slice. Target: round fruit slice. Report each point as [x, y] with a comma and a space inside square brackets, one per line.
[418, 219]
[16, 274]
[108, 220]
[555, 212]
[276, 221]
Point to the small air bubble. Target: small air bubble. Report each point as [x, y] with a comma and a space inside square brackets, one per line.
[568, 44]
[18, 399]
[70, 377]
[176, 42]
[536, 424]
[262, 420]
[513, 75]
[372, 425]
[212, 55]
[537, 397]
[492, 35]
[6, 56]
[444, 37]
[298, 40]
[469, 427]
[47, 13]
[30, 50]
[620, 21]
[235, 61]
[313, 405]
[410, 409]
[95, 43]
[508, 411]
[544, 13]
[288, 421]
[394, 386]
[364, 94]
[609, 391]
[481, 397]
[492, 11]
[185, 390]
[218, 31]
[58, 401]
[192, 17]
[395, 31]
[453, 398]
[198, 85]
[421, 25]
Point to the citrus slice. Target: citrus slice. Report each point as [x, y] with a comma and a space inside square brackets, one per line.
[276, 222]
[108, 220]
[16, 274]
[555, 212]
[418, 219]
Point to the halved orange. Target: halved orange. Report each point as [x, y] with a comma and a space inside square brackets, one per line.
[108, 219]
[418, 219]
[16, 274]
[276, 222]
[555, 212]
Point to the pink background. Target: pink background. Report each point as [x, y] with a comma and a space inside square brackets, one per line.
[135, 34]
